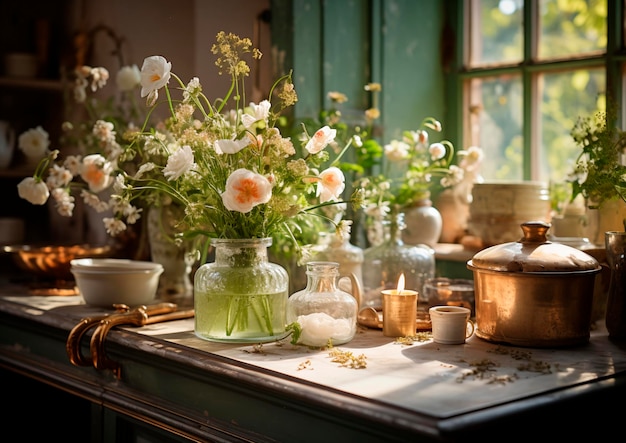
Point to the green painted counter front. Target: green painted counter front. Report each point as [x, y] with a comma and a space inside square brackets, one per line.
[174, 386]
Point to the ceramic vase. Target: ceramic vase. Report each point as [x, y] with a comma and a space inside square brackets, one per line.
[423, 223]
[609, 216]
[454, 210]
[175, 254]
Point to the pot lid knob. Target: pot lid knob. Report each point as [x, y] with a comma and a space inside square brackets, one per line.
[535, 231]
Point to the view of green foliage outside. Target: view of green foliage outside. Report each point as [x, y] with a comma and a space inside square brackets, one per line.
[549, 90]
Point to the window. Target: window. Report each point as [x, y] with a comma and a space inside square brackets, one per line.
[528, 70]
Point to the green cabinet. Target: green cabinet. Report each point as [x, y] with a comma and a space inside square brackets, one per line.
[341, 45]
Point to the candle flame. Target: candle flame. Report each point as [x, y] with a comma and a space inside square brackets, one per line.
[401, 283]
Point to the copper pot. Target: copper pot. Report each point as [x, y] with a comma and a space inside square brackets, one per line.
[534, 292]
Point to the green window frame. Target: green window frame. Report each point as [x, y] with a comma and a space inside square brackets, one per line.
[532, 71]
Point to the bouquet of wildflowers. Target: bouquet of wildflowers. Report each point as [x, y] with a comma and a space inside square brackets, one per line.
[356, 128]
[96, 138]
[599, 173]
[412, 164]
[225, 163]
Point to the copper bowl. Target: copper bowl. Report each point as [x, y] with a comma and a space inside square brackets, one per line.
[53, 261]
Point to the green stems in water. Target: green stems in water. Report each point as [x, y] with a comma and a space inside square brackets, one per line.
[238, 309]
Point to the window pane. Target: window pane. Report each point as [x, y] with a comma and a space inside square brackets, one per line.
[565, 97]
[572, 28]
[495, 124]
[496, 35]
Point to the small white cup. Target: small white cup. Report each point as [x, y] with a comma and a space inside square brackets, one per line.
[451, 324]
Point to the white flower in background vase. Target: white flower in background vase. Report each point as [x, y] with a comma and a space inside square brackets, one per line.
[34, 144]
[454, 203]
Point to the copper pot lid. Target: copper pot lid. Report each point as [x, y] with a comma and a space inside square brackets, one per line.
[533, 253]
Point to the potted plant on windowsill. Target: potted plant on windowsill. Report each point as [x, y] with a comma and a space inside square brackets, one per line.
[599, 173]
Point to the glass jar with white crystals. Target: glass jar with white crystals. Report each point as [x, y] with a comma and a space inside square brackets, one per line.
[327, 315]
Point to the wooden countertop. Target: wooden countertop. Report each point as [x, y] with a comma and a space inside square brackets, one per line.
[422, 389]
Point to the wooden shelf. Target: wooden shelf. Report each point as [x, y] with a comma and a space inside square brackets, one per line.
[32, 83]
[17, 171]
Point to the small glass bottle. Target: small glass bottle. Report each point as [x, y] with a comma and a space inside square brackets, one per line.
[616, 302]
[384, 263]
[326, 314]
[337, 249]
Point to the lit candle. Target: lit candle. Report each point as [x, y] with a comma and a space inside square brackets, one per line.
[399, 311]
[400, 288]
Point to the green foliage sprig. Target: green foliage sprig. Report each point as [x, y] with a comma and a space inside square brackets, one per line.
[599, 173]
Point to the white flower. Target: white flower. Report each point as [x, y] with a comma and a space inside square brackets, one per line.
[419, 137]
[99, 78]
[437, 151]
[231, 146]
[471, 158]
[104, 131]
[34, 191]
[454, 178]
[128, 78]
[146, 167]
[155, 73]
[343, 228]
[113, 226]
[73, 163]
[259, 112]
[246, 189]
[192, 89]
[64, 202]
[581, 170]
[331, 184]
[179, 163]
[58, 177]
[396, 151]
[132, 213]
[34, 142]
[97, 172]
[320, 139]
[93, 201]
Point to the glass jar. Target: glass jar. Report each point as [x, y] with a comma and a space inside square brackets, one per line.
[384, 263]
[241, 297]
[337, 249]
[326, 314]
[616, 301]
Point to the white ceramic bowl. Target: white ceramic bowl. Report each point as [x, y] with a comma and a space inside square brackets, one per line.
[113, 264]
[105, 282]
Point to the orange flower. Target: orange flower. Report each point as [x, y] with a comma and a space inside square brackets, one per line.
[246, 189]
